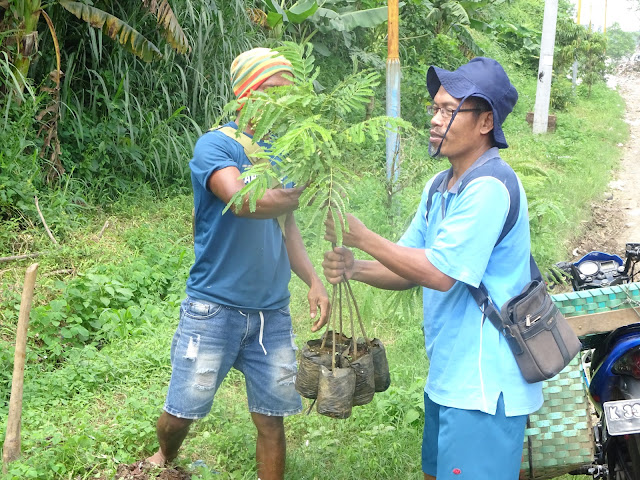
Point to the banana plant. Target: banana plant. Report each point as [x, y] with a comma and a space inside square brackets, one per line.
[324, 16]
[455, 18]
[127, 36]
[23, 17]
[278, 14]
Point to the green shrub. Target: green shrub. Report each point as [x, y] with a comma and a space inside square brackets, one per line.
[562, 94]
[105, 303]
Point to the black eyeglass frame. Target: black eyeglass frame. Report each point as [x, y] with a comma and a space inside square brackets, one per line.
[433, 110]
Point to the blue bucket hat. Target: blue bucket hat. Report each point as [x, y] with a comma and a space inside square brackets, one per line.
[481, 77]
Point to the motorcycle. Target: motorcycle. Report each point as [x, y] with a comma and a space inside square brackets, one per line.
[611, 369]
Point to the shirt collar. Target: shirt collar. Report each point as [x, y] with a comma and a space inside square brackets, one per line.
[493, 152]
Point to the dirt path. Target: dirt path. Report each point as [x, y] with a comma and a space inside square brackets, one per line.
[616, 219]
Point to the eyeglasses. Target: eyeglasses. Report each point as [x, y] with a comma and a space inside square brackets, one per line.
[433, 110]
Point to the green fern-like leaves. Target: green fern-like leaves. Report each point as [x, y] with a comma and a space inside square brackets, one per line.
[310, 134]
[302, 60]
[352, 93]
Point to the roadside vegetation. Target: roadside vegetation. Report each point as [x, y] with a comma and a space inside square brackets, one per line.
[116, 197]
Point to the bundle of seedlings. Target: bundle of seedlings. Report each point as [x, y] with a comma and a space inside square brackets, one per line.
[315, 138]
[381, 377]
[317, 353]
[359, 356]
[341, 371]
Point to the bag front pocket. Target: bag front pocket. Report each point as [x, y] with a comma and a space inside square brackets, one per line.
[531, 305]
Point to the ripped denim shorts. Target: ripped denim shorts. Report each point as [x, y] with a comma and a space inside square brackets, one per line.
[211, 338]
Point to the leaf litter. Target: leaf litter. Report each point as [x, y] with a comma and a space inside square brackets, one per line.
[146, 471]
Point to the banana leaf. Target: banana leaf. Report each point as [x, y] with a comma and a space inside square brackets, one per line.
[169, 23]
[115, 29]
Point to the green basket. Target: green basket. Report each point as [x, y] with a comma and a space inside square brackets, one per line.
[559, 436]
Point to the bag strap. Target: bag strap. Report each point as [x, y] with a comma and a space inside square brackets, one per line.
[482, 298]
[496, 168]
[489, 310]
[250, 149]
[499, 169]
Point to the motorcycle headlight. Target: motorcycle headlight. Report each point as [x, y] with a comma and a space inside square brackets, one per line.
[629, 364]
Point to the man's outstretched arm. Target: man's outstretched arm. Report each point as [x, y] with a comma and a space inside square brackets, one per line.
[303, 268]
[411, 265]
[339, 264]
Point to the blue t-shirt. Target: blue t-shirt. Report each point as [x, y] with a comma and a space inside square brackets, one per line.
[470, 362]
[239, 262]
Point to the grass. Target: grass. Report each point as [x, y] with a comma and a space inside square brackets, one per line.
[99, 407]
[96, 406]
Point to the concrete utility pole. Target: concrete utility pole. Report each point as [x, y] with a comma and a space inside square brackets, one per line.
[545, 67]
[574, 76]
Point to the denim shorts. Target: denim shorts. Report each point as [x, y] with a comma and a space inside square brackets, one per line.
[212, 338]
[469, 444]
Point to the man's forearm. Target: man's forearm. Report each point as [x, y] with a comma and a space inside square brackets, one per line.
[410, 264]
[274, 202]
[377, 275]
[298, 258]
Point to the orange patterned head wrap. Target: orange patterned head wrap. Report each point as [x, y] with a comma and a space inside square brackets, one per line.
[251, 68]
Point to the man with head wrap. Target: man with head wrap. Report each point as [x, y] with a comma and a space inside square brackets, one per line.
[468, 229]
[236, 313]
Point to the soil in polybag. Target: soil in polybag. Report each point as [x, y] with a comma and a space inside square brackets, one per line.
[341, 339]
[365, 384]
[313, 356]
[381, 376]
[335, 392]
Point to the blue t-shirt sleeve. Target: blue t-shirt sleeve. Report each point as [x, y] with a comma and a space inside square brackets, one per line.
[414, 236]
[466, 236]
[212, 152]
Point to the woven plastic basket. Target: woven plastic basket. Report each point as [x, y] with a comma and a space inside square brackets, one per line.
[559, 436]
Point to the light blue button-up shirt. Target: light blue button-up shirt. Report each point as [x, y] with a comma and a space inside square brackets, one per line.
[470, 363]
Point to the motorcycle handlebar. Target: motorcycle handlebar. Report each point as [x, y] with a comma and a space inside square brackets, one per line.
[632, 251]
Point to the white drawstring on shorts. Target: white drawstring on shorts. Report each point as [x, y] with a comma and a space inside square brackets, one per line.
[261, 332]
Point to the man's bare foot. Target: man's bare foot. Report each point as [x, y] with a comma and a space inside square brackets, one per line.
[157, 459]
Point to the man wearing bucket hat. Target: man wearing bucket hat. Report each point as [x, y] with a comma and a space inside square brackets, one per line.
[476, 400]
[236, 313]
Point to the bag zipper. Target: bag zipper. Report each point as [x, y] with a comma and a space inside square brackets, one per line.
[528, 321]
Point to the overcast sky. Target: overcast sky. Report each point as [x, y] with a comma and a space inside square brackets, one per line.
[620, 11]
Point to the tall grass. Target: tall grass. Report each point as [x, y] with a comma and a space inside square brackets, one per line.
[125, 121]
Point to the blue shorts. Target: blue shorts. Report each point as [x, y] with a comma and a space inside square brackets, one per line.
[469, 444]
[212, 338]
